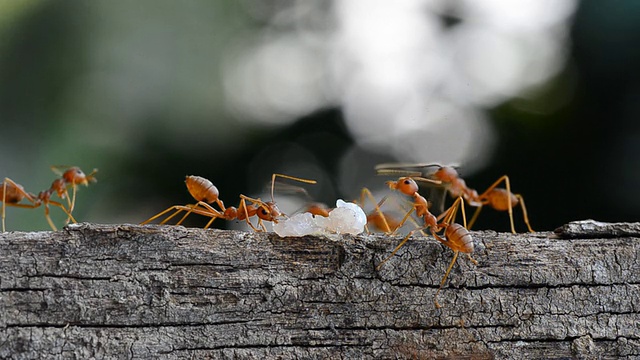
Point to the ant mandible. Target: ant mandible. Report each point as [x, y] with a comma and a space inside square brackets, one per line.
[13, 193]
[205, 193]
[500, 199]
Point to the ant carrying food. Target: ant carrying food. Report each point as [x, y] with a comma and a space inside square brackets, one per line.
[500, 199]
[13, 193]
[205, 193]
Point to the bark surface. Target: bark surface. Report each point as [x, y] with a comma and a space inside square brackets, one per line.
[128, 291]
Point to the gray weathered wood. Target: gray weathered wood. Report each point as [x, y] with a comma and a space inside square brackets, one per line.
[597, 229]
[128, 291]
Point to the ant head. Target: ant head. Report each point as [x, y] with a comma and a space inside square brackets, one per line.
[446, 173]
[268, 211]
[405, 185]
[75, 176]
[318, 209]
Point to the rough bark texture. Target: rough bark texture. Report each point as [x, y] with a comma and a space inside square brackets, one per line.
[128, 291]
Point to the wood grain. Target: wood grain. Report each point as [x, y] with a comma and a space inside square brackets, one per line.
[128, 291]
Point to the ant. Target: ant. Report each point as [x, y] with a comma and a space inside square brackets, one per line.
[456, 236]
[407, 186]
[72, 176]
[501, 199]
[13, 193]
[381, 220]
[205, 193]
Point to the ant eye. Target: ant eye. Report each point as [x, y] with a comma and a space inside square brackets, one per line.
[407, 182]
[264, 212]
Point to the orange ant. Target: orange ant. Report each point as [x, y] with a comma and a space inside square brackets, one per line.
[501, 199]
[206, 194]
[456, 236]
[13, 193]
[381, 220]
[70, 176]
[407, 186]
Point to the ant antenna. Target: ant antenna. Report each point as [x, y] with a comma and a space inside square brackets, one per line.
[273, 181]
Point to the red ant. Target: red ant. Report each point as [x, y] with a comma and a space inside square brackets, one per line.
[13, 193]
[456, 236]
[381, 220]
[406, 185]
[206, 193]
[501, 199]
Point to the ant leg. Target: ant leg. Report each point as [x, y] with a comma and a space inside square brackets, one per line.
[243, 207]
[178, 211]
[464, 214]
[406, 238]
[210, 222]
[55, 203]
[524, 212]
[411, 219]
[194, 209]
[4, 202]
[367, 192]
[203, 204]
[183, 217]
[449, 216]
[435, 297]
[273, 181]
[180, 208]
[505, 179]
[46, 214]
[261, 223]
[160, 214]
[474, 217]
[72, 202]
[404, 219]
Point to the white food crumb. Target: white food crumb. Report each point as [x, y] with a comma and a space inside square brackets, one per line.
[346, 218]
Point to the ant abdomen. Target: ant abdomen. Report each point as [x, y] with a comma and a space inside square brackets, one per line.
[202, 189]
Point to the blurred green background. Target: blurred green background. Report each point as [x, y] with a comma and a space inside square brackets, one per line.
[149, 91]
